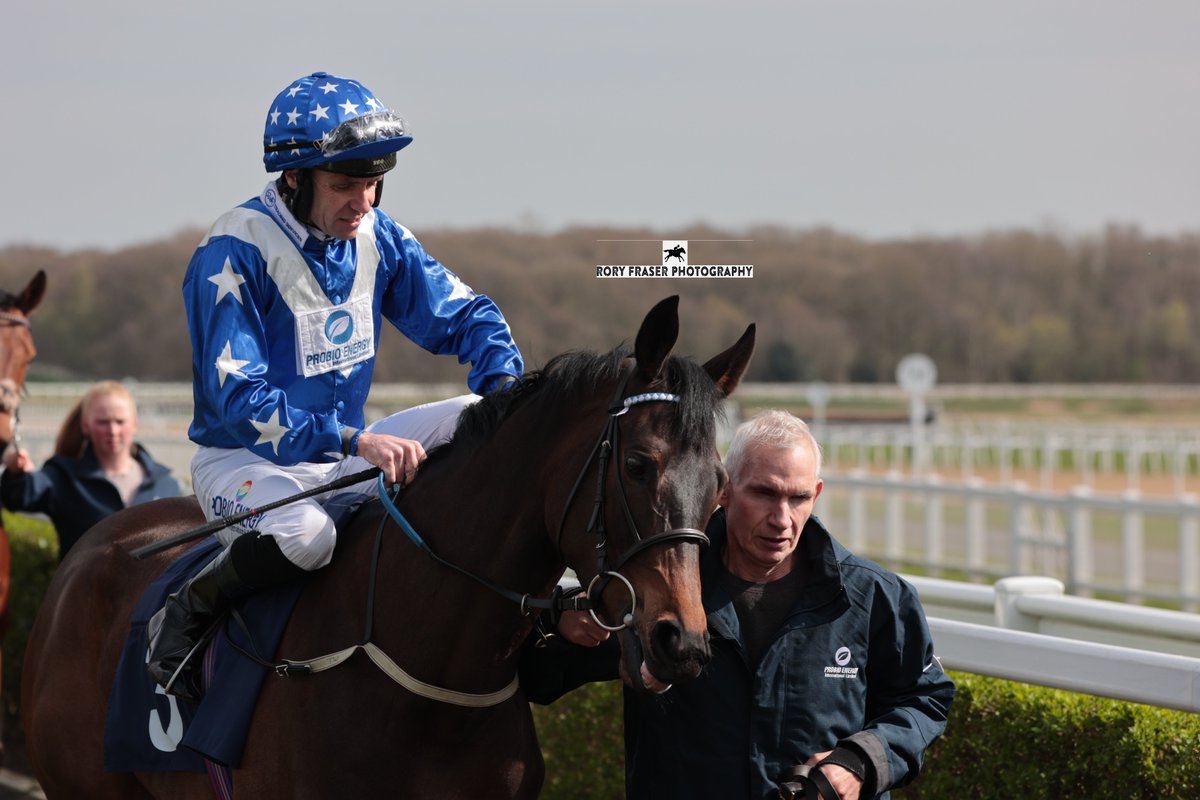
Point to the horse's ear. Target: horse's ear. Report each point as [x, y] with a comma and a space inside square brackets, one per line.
[32, 294]
[726, 368]
[656, 337]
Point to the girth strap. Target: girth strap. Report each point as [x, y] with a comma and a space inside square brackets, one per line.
[394, 671]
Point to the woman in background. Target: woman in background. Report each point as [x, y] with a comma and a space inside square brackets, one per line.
[97, 467]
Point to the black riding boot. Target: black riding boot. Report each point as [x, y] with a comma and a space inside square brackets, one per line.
[251, 563]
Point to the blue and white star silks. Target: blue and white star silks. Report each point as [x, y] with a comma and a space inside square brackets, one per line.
[228, 283]
[271, 431]
[228, 365]
[284, 331]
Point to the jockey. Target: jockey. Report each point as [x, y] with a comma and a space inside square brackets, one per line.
[285, 297]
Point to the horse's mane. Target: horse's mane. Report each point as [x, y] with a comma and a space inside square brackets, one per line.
[577, 373]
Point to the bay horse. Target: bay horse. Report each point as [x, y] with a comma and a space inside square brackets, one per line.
[522, 490]
[16, 352]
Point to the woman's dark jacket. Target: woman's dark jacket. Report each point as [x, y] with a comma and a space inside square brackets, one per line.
[75, 493]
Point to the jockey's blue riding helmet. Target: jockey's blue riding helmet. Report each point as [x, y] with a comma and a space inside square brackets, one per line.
[324, 121]
[336, 124]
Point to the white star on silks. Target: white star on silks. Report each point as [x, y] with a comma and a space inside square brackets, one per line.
[319, 112]
[275, 117]
[292, 92]
[461, 290]
[271, 430]
[373, 104]
[328, 87]
[349, 108]
[296, 151]
[293, 115]
[228, 282]
[228, 365]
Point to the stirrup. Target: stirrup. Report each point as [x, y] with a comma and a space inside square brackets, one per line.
[182, 669]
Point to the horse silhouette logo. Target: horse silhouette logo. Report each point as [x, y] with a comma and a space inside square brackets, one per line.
[676, 250]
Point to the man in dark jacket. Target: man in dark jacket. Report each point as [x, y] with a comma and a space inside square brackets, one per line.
[823, 676]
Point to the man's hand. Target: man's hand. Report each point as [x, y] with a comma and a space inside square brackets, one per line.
[845, 782]
[17, 459]
[398, 458]
[579, 628]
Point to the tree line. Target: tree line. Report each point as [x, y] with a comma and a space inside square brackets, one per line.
[1013, 306]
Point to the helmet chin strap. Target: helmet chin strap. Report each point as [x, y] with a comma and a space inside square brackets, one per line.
[298, 200]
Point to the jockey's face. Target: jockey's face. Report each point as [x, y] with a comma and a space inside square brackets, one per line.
[340, 202]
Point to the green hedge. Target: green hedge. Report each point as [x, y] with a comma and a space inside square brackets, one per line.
[1004, 740]
[34, 546]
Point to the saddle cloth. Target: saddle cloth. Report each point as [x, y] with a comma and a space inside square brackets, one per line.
[145, 730]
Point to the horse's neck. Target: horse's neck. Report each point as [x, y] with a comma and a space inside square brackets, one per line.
[488, 521]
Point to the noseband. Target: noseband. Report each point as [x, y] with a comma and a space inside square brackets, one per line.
[602, 452]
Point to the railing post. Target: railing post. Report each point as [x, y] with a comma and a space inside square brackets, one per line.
[1016, 535]
[1133, 566]
[893, 523]
[935, 550]
[1189, 555]
[1009, 590]
[976, 528]
[856, 512]
[1079, 543]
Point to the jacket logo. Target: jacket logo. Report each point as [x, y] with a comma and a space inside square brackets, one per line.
[839, 668]
[339, 327]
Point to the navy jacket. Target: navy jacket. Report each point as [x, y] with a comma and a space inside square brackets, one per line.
[853, 666]
[76, 495]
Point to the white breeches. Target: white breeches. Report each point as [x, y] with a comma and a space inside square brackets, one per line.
[231, 481]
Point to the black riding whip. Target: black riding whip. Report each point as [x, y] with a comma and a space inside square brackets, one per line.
[219, 524]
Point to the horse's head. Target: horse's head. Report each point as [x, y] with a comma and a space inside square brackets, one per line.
[16, 349]
[656, 472]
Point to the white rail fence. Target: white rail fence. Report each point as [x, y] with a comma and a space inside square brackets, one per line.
[1025, 629]
[1132, 453]
[1128, 547]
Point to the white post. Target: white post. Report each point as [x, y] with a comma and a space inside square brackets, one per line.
[976, 529]
[856, 513]
[893, 523]
[1133, 567]
[935, 550]
[1008, 592]
[1189, 556]
[1079, 542]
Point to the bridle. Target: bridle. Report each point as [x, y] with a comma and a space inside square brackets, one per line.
[605, 447]
[10, 319]
[560, 600]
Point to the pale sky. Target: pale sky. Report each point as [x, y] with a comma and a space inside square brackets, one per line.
[129, 120]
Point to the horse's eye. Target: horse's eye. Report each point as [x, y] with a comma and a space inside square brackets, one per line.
[635, 467]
